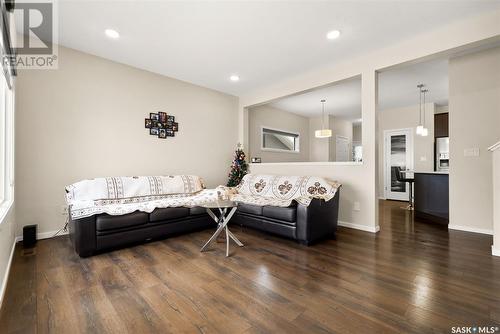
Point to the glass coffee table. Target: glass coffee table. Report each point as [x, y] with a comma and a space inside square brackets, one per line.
[226, 210]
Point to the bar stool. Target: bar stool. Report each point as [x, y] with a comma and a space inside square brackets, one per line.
[410, 181]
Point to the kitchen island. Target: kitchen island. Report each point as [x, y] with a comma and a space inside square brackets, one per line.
[432, 196]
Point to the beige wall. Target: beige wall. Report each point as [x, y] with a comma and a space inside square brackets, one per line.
[474, 123]
[340, 127]
[401, 118]
[266, 116]
[318, 147]
[86, 119]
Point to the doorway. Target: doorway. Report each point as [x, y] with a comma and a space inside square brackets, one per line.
[398, 152]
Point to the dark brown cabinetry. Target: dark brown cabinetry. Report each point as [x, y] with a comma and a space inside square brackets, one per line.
[441, 125]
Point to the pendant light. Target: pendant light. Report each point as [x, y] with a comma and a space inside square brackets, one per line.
[323, 133]
[425, 131]
[420, 127]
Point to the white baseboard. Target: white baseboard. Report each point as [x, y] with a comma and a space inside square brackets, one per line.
[372, 229]
[3, 288]
[495, 251]
[382, 197]
[44, 235]
[470, 229]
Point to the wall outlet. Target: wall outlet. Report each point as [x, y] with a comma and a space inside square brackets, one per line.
[356, 206]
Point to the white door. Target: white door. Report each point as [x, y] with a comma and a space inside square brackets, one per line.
[398, 151]
[342, 152]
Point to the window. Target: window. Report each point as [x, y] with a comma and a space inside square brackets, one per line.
[6, 147]
[278, 140]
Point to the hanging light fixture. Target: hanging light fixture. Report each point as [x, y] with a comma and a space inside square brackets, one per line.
[323, 133]
[425, 131]
[420, 127]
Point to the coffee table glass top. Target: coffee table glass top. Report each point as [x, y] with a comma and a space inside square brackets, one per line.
[219, 204]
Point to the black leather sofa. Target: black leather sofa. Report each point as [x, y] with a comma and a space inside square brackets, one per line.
[306, 224]
[97, 233]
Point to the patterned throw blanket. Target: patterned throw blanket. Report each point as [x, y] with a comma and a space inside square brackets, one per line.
[279, 190]
[122, 195]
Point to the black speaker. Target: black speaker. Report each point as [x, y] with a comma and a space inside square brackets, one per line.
[29, 236]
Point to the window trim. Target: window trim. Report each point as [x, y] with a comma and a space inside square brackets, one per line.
[277, 150]
[7, 158]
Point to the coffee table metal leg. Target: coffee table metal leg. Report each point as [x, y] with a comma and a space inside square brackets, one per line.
[239, 243]
[222, 222]
[213, 237]
[227, 242]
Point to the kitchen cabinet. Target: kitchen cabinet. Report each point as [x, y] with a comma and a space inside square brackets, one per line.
[441, 125]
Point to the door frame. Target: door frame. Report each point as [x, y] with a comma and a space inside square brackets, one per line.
[410, 151]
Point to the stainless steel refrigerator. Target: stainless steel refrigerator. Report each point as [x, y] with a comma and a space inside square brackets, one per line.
[442, 154]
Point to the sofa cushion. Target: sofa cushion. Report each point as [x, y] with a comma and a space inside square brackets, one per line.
[197, 210]
[288, 214]
[106, 222]
[168, 213]
[249, 208]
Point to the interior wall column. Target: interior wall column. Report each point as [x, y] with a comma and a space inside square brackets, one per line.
[495, 149]
[369, 139]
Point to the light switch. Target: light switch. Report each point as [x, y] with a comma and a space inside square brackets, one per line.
[424, 158]
[471, 152]
[468, 152]
[356, 206]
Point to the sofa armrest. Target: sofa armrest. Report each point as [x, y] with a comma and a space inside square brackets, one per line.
[82, 233]
[318, 220]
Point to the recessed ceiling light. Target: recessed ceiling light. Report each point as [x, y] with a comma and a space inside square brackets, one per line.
[234, 78]
[112, 33]
[334, 34]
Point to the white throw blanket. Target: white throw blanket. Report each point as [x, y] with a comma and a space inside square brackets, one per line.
[280, 190]
[121, 195]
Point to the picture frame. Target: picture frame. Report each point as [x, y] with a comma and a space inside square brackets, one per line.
[161, 125]
[162, 116]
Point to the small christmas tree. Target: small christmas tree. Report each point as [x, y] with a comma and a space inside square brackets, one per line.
[239, 167]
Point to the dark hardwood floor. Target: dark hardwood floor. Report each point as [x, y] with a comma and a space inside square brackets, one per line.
[411, 277]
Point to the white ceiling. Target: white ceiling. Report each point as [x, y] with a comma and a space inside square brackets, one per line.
[205, 42]
[342, 100]
[398, 87]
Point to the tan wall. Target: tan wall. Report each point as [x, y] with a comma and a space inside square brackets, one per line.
[474, 123]
[86, 119]
[340, 127]
[401, 118]
[281, 120]
[318, 147]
